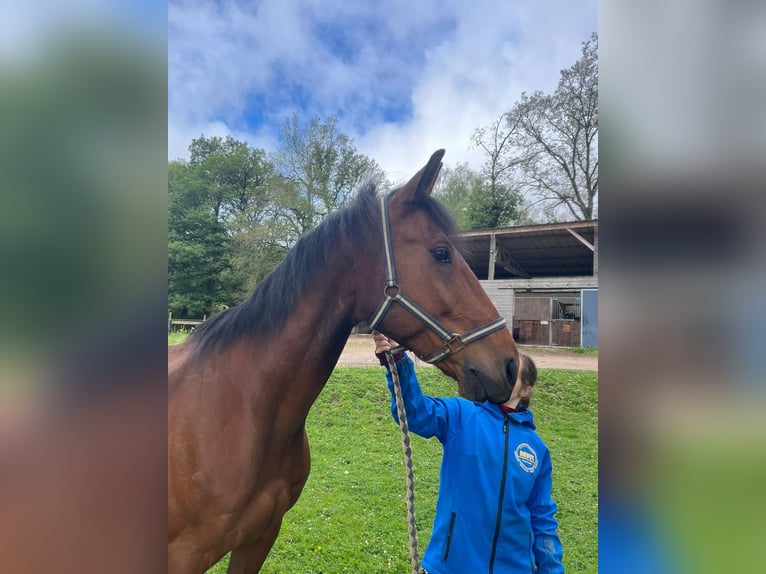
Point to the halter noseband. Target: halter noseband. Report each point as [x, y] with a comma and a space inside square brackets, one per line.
[453, 342]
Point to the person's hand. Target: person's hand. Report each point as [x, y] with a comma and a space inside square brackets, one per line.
[382, 343]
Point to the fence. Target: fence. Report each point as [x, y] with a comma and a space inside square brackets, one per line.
[183, 324]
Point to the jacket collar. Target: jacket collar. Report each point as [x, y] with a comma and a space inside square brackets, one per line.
[523, 417]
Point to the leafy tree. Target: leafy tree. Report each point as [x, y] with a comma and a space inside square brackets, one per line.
[555, 139]
[320, 168]
[197, 246]
[224, 191]
[454, 187]
[233, 214]
[255, 253]
[491, 206]
[473, 201]
[236, 178]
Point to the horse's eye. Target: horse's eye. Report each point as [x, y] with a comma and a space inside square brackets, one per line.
[441, 254]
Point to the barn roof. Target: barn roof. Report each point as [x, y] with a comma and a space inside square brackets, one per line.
[547, 250]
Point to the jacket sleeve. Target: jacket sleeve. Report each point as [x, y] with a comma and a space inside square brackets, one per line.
[547, 545]
[426, 416]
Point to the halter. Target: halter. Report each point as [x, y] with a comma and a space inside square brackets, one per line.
[392, 293]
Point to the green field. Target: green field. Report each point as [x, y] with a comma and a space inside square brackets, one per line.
[177, 337]
[351, 515]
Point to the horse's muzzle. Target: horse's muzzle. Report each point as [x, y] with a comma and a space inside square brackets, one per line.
[479, 386]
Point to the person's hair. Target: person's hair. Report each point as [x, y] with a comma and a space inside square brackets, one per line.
[528, 376]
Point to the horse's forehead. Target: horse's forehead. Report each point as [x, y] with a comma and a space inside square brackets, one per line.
[417, 225]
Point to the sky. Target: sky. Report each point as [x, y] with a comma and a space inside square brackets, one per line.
[403, 77]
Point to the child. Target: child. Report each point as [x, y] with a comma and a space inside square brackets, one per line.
[494, 511]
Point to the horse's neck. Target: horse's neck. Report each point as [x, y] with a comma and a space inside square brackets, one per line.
[302, 356]
[319, 325]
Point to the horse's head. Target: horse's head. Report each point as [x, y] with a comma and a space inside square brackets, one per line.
[432, 295]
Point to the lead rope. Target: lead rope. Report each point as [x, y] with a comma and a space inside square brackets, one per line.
[402, 414]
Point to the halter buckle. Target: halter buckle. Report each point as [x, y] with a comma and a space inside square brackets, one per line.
[454, 343]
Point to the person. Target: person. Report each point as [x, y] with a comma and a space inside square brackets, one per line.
[494, 511]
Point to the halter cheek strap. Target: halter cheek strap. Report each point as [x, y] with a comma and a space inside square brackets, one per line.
[392, 293]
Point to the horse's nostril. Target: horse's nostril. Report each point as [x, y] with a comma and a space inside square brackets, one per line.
[512, 370]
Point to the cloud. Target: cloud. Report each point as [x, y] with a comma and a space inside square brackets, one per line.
[497, 51]
[404, 78]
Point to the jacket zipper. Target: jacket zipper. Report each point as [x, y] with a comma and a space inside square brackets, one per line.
[500, 500]
[449, 535]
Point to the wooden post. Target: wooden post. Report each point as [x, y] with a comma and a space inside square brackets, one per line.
[550, 321]
[492, 257]
[595, 252]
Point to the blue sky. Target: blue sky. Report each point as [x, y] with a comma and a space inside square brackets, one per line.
[404, 77]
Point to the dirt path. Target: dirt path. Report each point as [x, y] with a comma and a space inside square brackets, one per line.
[358, 353]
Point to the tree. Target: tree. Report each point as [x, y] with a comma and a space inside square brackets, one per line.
[473, 201]
[255, 253]
[546, 146]
[453, 188]
[555, 139]
[491, 206]
[495, 203]
[224, 192]
[233, 215]
[321, 170]
[237, 178]
[496, 141]
[197, 246]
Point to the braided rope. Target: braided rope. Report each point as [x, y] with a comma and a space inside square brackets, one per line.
[402, 414]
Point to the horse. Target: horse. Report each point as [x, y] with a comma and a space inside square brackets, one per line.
[241, 386]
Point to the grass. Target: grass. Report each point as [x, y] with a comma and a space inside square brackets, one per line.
[177, 337]
[585, 350]
[351, 515]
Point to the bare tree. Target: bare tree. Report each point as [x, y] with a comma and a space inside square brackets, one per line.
[496, 141]
[555, 139]
[494, 203]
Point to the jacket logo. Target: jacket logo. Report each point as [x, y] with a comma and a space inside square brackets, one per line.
[526, 457]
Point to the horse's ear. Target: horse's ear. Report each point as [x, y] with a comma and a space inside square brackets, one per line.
[422, 183]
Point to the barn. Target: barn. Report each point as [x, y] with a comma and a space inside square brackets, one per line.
[542, 278]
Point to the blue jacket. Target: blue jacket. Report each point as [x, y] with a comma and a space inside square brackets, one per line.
[494, 512]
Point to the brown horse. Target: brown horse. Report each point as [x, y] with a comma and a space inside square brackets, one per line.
[240, 388]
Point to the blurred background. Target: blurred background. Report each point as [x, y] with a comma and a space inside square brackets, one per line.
[682, 447]
[83, 159]
[82, 286]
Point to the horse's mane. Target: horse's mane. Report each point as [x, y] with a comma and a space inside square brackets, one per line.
[267, 309]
